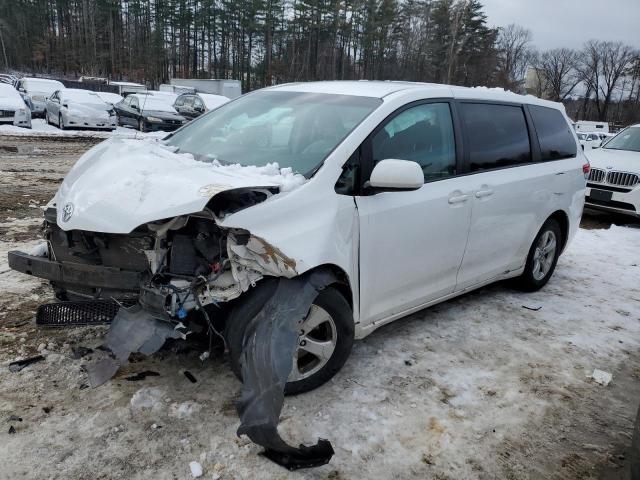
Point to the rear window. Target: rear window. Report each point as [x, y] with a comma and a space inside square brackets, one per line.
[497, 134]
[554, 133]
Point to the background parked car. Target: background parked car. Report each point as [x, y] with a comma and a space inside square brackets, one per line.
[38, 90]
[148, 113]
[192, 105]
[614, 180]
[13, 110]
[72, 107]
[8, 78]
[589, 141]
[110, 97]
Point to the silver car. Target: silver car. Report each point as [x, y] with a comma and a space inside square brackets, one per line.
[77, 108]
[36, 91]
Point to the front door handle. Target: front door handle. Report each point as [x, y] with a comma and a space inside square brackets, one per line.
[484, 193]
[458, 198]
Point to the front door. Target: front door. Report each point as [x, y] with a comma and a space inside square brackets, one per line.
[412, 242]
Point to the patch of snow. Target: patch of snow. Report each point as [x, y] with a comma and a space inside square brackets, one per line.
[196, 469]
[147, 398]
[39, 128]
[601, 377]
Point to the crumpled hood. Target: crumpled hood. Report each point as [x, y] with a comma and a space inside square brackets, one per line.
[121, 184]
[622, 160]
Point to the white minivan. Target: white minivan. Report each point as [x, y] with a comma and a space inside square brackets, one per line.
[403, 194]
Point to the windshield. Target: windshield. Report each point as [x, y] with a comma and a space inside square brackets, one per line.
[292, 129]
[46, 86]
[628, 139]
[147, 102]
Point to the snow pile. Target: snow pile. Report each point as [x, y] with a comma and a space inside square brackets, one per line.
[285, 178]
[40, 128]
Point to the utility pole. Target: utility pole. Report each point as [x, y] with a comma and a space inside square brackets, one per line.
[4, 52]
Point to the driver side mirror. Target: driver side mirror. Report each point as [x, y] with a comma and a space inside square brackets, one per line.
[394, 174]
[135, 107]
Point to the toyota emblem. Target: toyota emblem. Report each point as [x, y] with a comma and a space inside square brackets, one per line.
[67, 211]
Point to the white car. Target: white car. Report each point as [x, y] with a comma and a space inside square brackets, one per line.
[110, 97]
[13, 110]
[36, 92]
[589, 141]
[350, 203]
[77, 108]
[614, 180]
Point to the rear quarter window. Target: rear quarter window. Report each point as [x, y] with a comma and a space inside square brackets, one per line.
[497, 135]
[554, 133]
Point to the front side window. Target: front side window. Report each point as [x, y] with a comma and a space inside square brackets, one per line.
[554, 133]
[628, 139]
[293, 129]
[497, 135]
[421, 134]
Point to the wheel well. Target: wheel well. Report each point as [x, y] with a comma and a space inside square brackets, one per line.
[562, 219]
[342, 285]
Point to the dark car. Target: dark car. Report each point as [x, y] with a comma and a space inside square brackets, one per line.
[148, 113]
[192, 105]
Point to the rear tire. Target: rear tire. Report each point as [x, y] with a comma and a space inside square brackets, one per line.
[542, 258]
[339, 330]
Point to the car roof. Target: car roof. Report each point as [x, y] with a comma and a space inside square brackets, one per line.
[383, 88]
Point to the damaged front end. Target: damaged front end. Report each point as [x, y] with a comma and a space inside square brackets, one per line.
[170, 267]
[161, 273]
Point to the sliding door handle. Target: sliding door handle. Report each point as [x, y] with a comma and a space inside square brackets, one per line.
[458, 198]
[484, 193]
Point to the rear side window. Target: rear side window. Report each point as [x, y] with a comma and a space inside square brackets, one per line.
[554, 133]
[497, 135]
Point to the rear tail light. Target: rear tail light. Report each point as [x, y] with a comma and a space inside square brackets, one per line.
[586, 168]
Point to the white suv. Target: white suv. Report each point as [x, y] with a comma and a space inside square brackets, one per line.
[403, 194]
[614, 181]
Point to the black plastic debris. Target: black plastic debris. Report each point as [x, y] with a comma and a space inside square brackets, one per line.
[20, 364]
[268, 347]
[47, 410]
[190, 376]
[14, 418]
[535, 309]
[79, 352]
[132, 330]
[12, 430]
[142, 375]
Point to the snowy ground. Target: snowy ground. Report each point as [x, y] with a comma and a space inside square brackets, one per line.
[39, 128]
[480, 387]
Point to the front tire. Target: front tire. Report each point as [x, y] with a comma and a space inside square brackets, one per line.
[60, 122]
[322, 349]
[141, 125]
[542, 258]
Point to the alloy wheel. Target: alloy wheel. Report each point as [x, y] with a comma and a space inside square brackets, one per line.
[316, 342]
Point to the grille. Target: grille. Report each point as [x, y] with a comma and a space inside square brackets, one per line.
[7, 113]
[64, 314]
[623, 179]
[596, 175]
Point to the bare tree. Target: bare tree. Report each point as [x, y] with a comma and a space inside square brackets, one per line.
[515, 54]
[601, 67]
[558, 76]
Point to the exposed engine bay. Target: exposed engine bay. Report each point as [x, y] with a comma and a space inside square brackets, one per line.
[184, 263]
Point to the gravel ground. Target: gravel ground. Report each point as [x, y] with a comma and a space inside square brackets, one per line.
[493, 384]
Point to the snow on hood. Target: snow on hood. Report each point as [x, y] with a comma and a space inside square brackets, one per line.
[623, 160]
[11, 103]
[89, 109]
[121, 184]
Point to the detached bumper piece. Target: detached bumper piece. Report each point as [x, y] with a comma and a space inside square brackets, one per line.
[268, 348]
[68, 314]
[74, 273]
